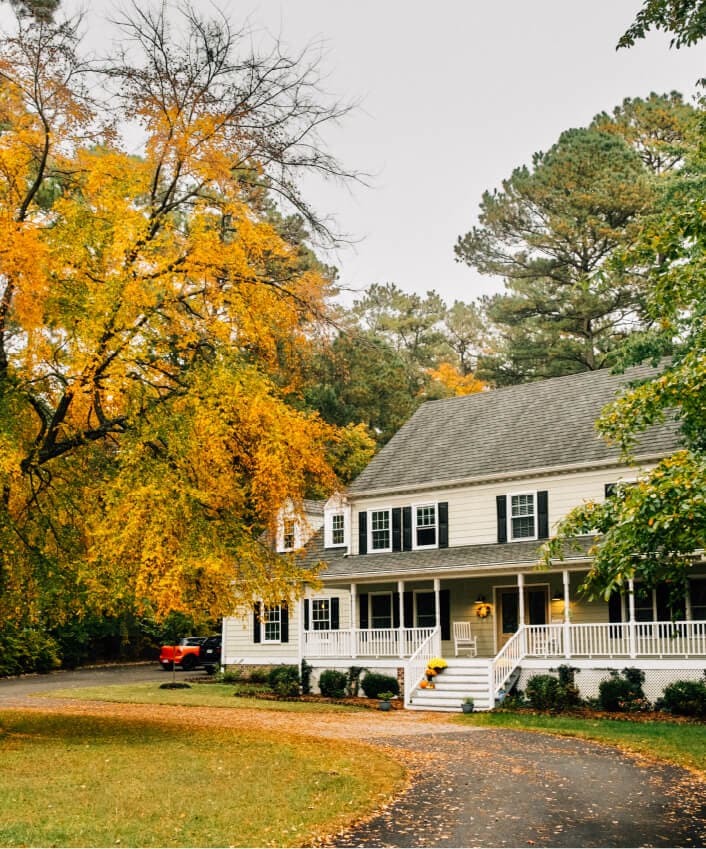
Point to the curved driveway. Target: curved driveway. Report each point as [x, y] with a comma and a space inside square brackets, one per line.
[471, 787]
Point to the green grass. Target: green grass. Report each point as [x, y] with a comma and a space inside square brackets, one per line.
[88, 781]
[201, 695]
[682, 744]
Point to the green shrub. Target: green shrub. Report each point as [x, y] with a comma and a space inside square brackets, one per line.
[27, 650]
[542, 692]
[685, 698]
[545, 692]
[623, 692]
[284, 681]
[257, 674]
[373, 684]
[332, 684]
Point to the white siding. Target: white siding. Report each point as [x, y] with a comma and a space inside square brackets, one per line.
[472, 509]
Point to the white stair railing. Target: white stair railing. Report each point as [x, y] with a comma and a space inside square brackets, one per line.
[415, 666]
[505, 662]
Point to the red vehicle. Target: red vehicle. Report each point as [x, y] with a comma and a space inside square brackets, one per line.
[186, 654]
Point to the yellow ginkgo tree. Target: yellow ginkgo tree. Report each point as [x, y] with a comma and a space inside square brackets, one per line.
[153, 310]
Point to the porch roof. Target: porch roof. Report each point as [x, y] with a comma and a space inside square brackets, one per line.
[524, 555]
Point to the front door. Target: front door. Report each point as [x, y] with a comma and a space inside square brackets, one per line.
[508, 620]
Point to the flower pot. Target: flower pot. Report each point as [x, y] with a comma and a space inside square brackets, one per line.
[466, 708]
[384, 705]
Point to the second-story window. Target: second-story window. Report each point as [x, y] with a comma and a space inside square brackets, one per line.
[288, 531]
[380, 539]
[522, 516]
[425, 534]
[338, 529]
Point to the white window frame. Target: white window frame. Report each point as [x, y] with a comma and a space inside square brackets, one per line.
[371, 547]
[510, 536]
[267, 609]
[313, 602]
[389, 595]
[329, 530]
[415, 507]
[282, 534]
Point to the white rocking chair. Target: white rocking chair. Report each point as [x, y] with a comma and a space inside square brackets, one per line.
[464, 639]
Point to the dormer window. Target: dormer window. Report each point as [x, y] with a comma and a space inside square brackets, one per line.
[288, 534]
[338, 529]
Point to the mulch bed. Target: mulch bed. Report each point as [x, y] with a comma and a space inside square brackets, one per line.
[591, 713]
[359, 701]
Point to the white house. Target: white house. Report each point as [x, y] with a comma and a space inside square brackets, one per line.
[440, 534]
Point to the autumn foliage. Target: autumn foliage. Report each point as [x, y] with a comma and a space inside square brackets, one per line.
[153, 313]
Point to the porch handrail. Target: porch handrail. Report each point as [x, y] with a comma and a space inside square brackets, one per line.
[506, 662]
[415, 666]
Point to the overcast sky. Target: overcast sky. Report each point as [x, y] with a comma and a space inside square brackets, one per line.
[452, 97]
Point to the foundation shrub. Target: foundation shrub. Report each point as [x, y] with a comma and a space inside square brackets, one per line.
[373, 684]
[284, 680]
[684, 698]
[332, 684]
[623, 691]
[306, 677]
[547, 692]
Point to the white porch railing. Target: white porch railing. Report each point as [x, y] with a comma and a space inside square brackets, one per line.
[624, 639]
[367, 642]
[505, 662]
[415, 666]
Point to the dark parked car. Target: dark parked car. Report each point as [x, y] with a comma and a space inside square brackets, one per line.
[210, 653]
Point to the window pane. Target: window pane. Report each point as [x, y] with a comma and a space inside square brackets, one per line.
[380, 529]
[522, 516]
[320, 614]
[288, 536]
[426, 525]
[337, 529]
[272, 624]
[426, 615]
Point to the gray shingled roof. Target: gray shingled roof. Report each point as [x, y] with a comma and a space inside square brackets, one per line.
[434, 561]
[545, 424]
[312, 507]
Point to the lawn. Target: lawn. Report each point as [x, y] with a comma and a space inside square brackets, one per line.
[682, 744]
[87, 781]
[202, 695]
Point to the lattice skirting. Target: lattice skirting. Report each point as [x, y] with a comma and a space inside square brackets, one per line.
[588, 678]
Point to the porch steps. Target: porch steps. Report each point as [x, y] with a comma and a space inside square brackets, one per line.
[461, 679]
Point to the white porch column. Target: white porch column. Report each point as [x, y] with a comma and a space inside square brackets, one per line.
[354, 612]
[631, 619]
[400, 609]
[300, 632]
[437, 614]
[567, 615]
[521, 611]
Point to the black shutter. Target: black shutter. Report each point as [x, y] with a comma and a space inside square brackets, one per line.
[406, 528]
[609, 489]
[501, 507]
[408, 603]
[445, 614]
[397, 529]
[543, 514]
[362, 532]
[256, 623]
[306, 614]
[395, 610]
[443, 524]
[284, 623]
[363, 610]
[335, 614]
[615, 608]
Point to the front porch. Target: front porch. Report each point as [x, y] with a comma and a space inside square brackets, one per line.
[531, 622]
